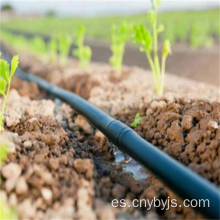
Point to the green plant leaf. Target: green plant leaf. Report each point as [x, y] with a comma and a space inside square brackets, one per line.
[14, 65]
[2, 87]
[4, 70]
[167, 48]
[136, 121]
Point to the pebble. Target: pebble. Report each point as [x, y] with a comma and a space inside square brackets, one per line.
[11, 171]
[26, 209]
[28, 144]
[13, 201]
[3, 196]
[21, 186]
[10, 185]
[47, 194]
[213, 125]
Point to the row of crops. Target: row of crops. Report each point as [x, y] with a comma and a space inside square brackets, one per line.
[197, 28]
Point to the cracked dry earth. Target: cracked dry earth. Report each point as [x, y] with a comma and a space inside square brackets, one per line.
[60, 167]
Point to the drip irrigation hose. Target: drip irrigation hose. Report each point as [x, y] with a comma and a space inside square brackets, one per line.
[184, 182]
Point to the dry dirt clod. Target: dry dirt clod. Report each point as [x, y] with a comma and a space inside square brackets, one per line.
[47, 194]
[83, 123]
[13, 201]
[11, 171]
[83, 165]
[212, 125]
[26, 209]
[187, 122]
[10, 185]
[28, 144]
[21, 186]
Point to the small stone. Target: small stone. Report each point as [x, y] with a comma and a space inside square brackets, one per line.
[11, 170]
[13, 201]
[10, 185]
[212, 125]
[3, 196]
[21, 186]
[47, 194]
[28, 144]
[26, 209]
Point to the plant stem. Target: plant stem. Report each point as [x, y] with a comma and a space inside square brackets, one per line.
[156, 77]
[156, 60]
[163, 64]
[4, 105]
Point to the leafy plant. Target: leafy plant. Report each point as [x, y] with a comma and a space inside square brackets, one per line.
[52, 48]
[148, 43]
[64, 43]
[136, 121]
[5, 81]
[38, 46]
[199, 38]
[119, 36]
[83, 53]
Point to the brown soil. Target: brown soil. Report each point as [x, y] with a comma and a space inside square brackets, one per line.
[25, 88]
[79, 84]
[66, 169]
[187, 130]
[71, 175]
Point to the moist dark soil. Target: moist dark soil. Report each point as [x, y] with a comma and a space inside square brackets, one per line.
[25, 88]
[79, 84]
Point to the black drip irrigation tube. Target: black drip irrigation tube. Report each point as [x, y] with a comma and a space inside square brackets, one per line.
[184, 182]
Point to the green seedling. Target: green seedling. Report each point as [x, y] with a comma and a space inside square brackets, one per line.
[53, 48]
[64, 43]
[199, 37]
[38, 46]
[136, 121]
[119, 36]
[149, 42]
[5, 81]
[83, 53]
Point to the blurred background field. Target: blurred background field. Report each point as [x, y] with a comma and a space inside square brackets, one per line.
[197, 28]
[192, 27]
